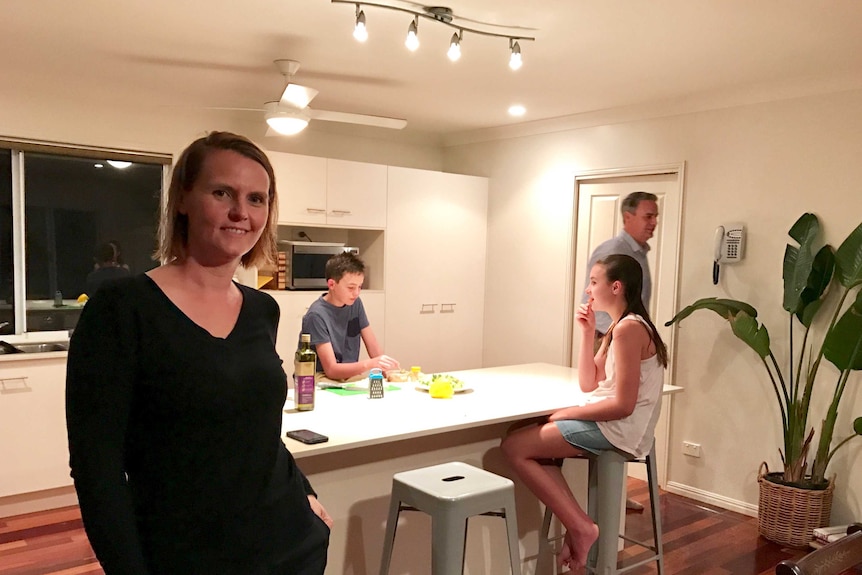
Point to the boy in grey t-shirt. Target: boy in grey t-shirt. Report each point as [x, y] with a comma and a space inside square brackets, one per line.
[337, 322]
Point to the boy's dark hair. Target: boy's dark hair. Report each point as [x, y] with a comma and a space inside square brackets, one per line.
[343, 263]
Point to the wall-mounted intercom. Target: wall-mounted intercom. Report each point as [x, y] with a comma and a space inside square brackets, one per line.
[729, 246]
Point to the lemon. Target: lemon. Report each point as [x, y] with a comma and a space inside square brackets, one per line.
[441, 389]
[83, 298]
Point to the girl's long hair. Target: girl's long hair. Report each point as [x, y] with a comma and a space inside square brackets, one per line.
[626, 270]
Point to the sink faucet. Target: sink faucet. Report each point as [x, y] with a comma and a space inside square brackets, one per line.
[3, 324]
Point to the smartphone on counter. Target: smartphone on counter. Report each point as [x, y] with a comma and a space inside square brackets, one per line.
[307, 436]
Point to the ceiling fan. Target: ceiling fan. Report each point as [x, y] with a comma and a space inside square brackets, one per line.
[291, 114]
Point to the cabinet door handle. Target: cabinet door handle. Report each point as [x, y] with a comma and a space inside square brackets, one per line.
[14, 385]
[447, 308]
[315, 210]
[427, 308]
[340, 212]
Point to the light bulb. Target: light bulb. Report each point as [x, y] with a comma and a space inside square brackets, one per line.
[359, 31]
[517, 110]
[285, 120]
[454, 48]
[412, 41]
[515, 61]
[287, 126]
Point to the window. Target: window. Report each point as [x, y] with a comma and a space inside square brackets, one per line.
[63, 213]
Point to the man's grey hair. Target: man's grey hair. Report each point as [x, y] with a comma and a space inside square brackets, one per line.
[631, 201]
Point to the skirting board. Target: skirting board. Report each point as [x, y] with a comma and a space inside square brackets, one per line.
[37, 501]
[711, 498]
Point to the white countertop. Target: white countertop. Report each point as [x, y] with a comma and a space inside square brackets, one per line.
[497, 395]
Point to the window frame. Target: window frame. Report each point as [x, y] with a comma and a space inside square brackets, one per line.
[19, 148]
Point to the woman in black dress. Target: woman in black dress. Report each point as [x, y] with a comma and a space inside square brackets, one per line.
[175, 393]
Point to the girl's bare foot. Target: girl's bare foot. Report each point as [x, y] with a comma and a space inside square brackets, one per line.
[580, 545]
[564, 557]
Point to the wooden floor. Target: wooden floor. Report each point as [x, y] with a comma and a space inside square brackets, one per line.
[698, 540]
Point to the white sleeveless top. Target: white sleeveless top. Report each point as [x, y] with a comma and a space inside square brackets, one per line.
[633, 434]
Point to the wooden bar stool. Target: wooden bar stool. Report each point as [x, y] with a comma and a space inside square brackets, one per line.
[451, 493]
[604, 500]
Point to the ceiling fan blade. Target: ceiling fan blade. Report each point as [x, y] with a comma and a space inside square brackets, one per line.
[363, 119]
[298, 96]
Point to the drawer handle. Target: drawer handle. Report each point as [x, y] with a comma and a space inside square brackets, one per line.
[14, 385]
[447, 308]
[315, 211]
[340, 212]
[427, 308]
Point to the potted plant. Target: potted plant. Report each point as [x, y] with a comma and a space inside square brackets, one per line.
[809, 275]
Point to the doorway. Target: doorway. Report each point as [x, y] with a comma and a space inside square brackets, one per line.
[598, 198]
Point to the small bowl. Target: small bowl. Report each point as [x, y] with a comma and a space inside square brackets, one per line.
[398, 375]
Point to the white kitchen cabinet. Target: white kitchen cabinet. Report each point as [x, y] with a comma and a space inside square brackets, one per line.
[34, 451]
[355, 194]
[325, 192]
[294, 304]
[435, 269]
[301, 183]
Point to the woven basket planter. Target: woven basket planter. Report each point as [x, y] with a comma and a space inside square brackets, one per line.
[788, 515]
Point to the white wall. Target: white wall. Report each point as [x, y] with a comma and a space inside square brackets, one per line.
[762, 164]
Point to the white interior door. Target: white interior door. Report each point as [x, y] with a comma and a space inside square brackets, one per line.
[599, 197]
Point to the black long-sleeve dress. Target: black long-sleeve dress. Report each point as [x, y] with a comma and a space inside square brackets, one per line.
[174, 439]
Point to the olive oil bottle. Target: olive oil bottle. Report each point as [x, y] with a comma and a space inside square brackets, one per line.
[304, 369]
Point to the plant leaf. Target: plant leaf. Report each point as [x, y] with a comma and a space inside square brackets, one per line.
[822, 269]
[798, 262]
[848, 259]
[810, 312]
[726, 308]
[857, 426]
[843, 343]
[746, 328]
[805, 229]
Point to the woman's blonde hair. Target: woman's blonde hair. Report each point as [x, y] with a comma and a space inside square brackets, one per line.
[174, 226]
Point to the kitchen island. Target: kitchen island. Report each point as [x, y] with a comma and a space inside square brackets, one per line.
[372, 439]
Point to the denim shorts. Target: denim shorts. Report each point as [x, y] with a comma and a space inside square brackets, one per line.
[584, 435]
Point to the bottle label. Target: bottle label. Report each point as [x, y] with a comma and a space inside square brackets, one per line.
[305, 392]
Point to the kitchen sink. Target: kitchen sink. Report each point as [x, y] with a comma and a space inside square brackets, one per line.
[33, 347]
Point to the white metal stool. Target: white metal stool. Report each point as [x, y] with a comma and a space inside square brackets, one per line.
[604, 500]
[451, 493]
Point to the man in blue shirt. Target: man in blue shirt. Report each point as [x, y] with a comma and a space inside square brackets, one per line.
[337, 322]
[640, 217]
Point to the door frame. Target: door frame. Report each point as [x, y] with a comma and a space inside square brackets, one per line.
[673, 168]
[677, 169]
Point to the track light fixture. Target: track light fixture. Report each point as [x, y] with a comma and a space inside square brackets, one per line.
[359, 30]
[412, 41]
[515, 61]
[454, 52]
[444, 16]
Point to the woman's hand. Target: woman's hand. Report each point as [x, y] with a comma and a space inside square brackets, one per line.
[586, 317]
[319, 510]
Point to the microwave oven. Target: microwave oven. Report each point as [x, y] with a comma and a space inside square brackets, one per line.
[305, 263]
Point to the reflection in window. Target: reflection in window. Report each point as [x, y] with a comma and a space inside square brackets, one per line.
[7, 319]
[73, 208]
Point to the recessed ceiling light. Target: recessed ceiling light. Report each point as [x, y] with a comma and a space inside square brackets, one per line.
[517, 110]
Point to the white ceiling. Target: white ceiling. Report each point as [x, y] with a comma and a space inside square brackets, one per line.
[588, 55]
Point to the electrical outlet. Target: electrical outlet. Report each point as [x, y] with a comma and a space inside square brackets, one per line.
[691, 449]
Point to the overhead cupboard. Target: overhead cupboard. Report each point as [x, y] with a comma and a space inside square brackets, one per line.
[422, 235]
[322, 191]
